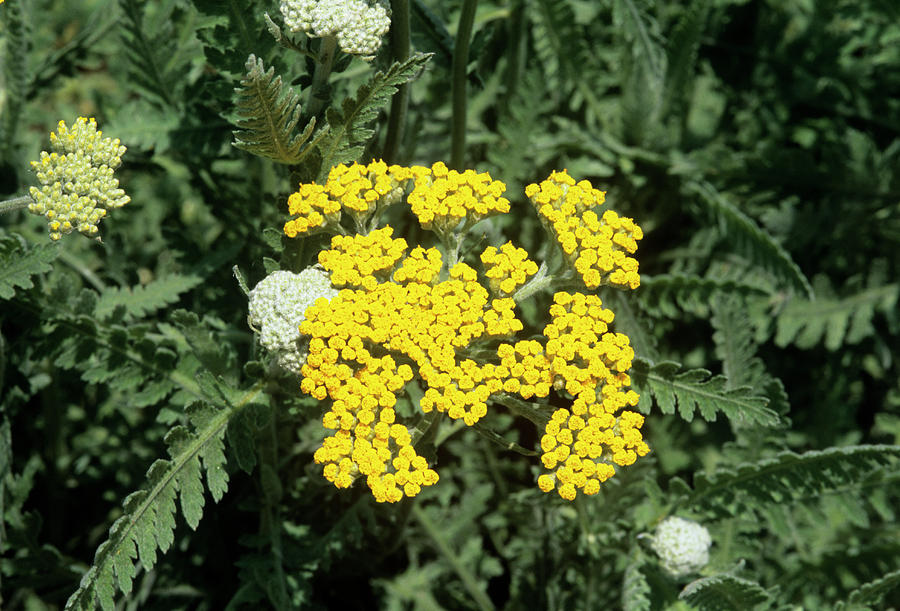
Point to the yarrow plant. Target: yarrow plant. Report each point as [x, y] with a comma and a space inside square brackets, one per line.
[77, 178]
[405, 316]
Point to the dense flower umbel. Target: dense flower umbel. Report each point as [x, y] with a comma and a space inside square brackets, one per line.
[358, 25]
[397, 317]
[682, 545]
[597, 246]
[77, 177]
[276, 310]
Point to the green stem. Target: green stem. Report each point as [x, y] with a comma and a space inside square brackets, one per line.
[324, 63]
[440, 542]
[17, 203]
[516, 46]
[458, 83]
[75, 263]
[400, 102]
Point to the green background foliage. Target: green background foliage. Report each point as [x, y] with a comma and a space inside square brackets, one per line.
[153, 457]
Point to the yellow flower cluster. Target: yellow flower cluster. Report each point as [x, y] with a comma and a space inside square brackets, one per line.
[585, 356]
[356, 189]
[443, 198]
[598, 247]
[508, 268]
[397, 318]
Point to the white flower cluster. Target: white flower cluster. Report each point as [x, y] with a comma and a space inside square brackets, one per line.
[358, 25]
[276, 310]
[682, 545]
[78, 183]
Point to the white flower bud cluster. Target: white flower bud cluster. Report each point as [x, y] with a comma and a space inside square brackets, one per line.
[78, 183]
[276, 310]
[358, 25]
[682, 545]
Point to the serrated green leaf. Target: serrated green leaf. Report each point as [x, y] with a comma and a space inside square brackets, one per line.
[787, 477]
[697, 390]
[19, 262]
[148, 522]
[724, 593]
[269, 115]
[668, 294]
[348, 128]
[874, 592]
[806, 322]
[145, 299]
[746, 237]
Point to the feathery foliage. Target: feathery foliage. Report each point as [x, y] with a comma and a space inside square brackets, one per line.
[789, 477]
[15, 74]
[724, 593]
[836, 320]
[697, 390]
[19, 262]
[148, 522]
[348, 127]
[873, 593]
[750, 240]
[635, 589]
[142, 300]
[157, 62]
[668, 294]
[269, 115]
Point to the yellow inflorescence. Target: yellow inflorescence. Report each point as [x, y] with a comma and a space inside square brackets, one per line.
[358, 190]
[508, 268]
[397, 317]
[597, 246]
[442, 198]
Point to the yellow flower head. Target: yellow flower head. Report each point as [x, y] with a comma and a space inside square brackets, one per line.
[401, 314]
[597, 245]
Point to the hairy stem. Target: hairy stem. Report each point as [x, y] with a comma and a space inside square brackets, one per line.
[400, 102]
[324, 63]
[17, 203]
[458, 83]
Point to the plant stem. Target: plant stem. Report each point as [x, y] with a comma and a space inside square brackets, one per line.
[324, 62]
[467, 578]
[400, 102]
[17, 203]
[458, 83]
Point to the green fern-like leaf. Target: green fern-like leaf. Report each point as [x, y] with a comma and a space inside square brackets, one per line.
[142, 300]
[735, 346]
[788, 477]
[696, 390]
[681, 52]
[668, 294]
[148, 522]
[873, 594]
[269, 116]
[749, 239]
[19, 262]
[724, 593]
[348, 128]
[838, 320]
[555, 33]
[157, 60]
[15, 72]
[635, 587]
